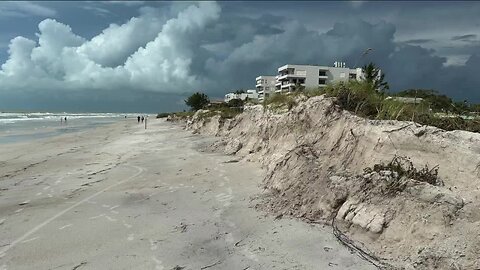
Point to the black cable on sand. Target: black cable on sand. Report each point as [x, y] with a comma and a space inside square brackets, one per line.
[362, 253]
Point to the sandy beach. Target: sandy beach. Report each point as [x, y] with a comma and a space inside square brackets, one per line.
[122, 197]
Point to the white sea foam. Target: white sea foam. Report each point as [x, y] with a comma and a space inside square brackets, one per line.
[9, 118]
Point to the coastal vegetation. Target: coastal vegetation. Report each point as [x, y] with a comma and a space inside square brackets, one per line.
[361, 99]
[200, 102]
[180, 115]
[197, 101]
[368, 98]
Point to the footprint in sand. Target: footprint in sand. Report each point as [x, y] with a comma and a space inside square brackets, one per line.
[158, 264]
[130, 237]
[153, 245]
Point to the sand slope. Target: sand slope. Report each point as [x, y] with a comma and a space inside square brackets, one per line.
[315, 156]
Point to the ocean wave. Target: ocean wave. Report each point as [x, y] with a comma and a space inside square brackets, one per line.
[9, 118]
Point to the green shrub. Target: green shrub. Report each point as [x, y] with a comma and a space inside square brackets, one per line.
[280, 100]
[361, 99]
[449, 123]
[235, 103]
[396, 110]
[357, 97]
[163, 115]
[313, 92]
[197, 101]
[183, 114]
[224, 112]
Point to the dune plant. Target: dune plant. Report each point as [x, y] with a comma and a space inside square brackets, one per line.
[360, 98]
[279, 100]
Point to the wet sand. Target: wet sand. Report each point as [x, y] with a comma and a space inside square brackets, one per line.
[121, 197]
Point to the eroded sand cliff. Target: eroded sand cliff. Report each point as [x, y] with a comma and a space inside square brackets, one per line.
[315, 156]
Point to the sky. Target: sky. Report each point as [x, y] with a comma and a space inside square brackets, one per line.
[147, 56]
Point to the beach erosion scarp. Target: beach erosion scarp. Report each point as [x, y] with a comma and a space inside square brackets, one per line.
[317, 156]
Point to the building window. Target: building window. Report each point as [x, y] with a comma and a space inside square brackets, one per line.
[353, 76]
[322, 73]
[321, 81]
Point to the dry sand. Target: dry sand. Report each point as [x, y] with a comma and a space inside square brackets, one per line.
[121, 197]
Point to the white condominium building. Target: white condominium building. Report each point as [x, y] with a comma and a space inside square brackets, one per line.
[265, 85]
[291, 76]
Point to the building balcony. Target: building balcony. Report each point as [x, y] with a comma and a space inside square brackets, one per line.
[290, 85]
[293, 75]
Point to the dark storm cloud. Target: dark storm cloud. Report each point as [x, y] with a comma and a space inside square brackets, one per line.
[158, 53]
[465, 37]
[418, 41]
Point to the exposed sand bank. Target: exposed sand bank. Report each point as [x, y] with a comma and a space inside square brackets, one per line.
[315, 155]
[121, 197]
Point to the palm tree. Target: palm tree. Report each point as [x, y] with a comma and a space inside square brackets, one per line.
[375, 77]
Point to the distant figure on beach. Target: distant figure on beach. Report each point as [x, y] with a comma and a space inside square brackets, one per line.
[65, 119]
[142, 118]
[138, 119]
[61, 120]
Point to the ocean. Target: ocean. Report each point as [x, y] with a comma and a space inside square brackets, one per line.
[18, 127]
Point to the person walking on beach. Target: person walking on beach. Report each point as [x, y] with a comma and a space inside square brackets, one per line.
[142, 118]
[65, 119]
[138, 119]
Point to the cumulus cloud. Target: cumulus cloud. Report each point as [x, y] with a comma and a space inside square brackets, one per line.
[113, 46]
[145, 53]
[19, 63]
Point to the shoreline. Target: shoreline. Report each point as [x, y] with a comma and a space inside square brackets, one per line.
[46, 132]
